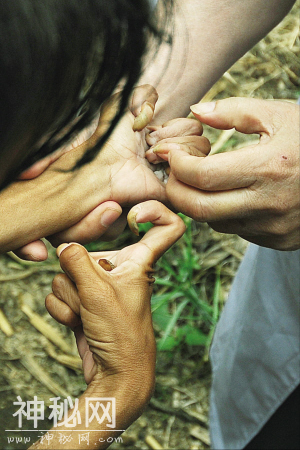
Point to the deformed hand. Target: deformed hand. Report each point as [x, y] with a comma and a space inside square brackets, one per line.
[108, 305]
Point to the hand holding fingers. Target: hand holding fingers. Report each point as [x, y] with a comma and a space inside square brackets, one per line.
[174, 128]
[254, 191]
[105, 299]
[192, 145]
[94, 225]
[168, 228]
[82, 267]
[34, 251]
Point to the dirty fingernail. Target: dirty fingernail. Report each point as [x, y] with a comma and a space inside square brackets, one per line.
[165, 148]
[106, 264]
[131, 219]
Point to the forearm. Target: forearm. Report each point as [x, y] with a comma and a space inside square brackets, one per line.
[50, 203]
[127, 397]
[208, 38]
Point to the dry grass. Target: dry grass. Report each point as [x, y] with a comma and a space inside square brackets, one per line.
[39, 359]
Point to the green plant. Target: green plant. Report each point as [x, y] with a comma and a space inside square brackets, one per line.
[179, 312]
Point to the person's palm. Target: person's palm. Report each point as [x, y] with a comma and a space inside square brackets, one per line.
[122, 160]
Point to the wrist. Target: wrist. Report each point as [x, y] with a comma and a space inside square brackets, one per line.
[133, 383]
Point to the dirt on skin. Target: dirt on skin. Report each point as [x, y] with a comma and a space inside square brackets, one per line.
[43, 362]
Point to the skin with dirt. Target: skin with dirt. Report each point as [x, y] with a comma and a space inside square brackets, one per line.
[38, 357]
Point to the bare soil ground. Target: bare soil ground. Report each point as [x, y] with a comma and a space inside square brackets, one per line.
[38, 357]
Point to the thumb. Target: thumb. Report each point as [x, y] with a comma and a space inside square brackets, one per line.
[247, 115]
[76, 262]
[168, 228]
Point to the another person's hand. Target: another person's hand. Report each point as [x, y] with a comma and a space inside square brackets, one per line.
[253, 191]
[98, 221]
[121, 164]
[108, 305]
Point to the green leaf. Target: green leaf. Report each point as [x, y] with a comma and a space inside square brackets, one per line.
[195, 337]
[172, 322]
[167, 344]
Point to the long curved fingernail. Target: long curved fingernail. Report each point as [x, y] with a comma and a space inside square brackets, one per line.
[144, 117]
[131, 219]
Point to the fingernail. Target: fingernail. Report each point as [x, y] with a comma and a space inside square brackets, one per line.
[203, 108]
[61, 248]
[109, 216]
[150, 139]
[165, 148]
[153, 158]
[131, 219]
[106, 264]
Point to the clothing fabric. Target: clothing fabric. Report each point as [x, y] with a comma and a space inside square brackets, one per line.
[282, 430]
[255, 350]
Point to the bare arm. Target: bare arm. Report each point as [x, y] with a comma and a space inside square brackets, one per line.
[209, 36]
[110, 314]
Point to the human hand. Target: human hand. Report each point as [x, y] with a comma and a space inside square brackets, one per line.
[253, 191]
[110, 310]
[97, 222]
[121, 159]
[181, 133]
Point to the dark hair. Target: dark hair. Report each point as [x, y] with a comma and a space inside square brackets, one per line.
[60, 57]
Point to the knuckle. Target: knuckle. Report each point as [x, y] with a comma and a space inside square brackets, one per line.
[73, 253]
[192, 127]
[200, 211]
[58, 283]
[203, 175]
[179, 224]
[279, 228]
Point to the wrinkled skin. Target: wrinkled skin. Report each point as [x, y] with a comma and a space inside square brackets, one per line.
[120, 173]
[254, 191]
[110, 310]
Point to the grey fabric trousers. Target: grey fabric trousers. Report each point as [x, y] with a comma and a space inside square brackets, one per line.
[255, 351]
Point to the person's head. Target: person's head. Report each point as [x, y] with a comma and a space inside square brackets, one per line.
[60, 59]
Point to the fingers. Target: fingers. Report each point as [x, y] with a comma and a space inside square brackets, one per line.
[91, 227]
[64, 303]
[34, 251]
[168, 228]
[247, 115]
[192, 145]
[142, 106]
[88, 277]
[142, 94]
[88, 363]
[61, 312]
[144, 117]
[223, 171]
[174, 128]
[205, 206]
